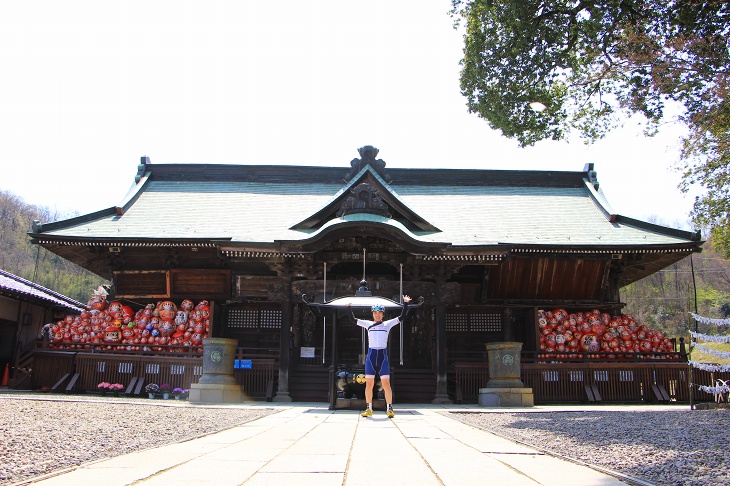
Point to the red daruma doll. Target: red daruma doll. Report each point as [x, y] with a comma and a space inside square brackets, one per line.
[167, 310]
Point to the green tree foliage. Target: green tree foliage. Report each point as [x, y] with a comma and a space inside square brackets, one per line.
[34, 263]
[591, 63]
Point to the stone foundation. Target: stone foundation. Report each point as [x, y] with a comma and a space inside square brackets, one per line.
[214, 393]
[506, 397]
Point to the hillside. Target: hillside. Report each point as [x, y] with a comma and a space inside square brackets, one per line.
[32, 262]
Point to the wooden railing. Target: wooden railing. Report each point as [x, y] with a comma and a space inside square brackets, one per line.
[632, 382]
[95, 368]
[258, 382]
[639, 381]
[51, 366]
[90, 369]
[607, 382]
[469, 378]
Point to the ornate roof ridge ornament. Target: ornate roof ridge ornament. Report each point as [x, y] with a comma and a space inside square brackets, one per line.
[144, 161]
[367, 157]
[364, 199]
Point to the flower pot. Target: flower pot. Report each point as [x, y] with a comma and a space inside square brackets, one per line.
[151, 395]
[102, 393]
[115, 393]
[166, 396]
[177, 397]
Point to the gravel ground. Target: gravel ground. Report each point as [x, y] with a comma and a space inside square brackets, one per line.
[40, 436]
[674, 447]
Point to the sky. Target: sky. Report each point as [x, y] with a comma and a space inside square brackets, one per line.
[89, 87]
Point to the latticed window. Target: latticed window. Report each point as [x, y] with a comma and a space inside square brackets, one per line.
[253, 318]
[270, 319]
[457, 322]
[474, 322]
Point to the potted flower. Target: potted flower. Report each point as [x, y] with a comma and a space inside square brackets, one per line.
[151, 389]
[103, 387]
[178, 392]
[165, 389]
[115, 388]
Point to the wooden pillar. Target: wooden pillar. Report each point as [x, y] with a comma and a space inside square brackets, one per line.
[442, 395]
[508, 325]
[282, 391]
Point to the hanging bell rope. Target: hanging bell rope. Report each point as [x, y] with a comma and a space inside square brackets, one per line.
[363, 331]
[400, 293]
[324, 319]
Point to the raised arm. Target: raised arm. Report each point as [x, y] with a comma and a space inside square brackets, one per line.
[349, 313]
[406, 301]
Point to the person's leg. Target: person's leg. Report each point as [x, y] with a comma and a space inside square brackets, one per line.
[369, 385]
[387, 391]
[385, 382]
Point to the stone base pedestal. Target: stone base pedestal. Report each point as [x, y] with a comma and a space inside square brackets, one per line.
[506, 397]
[215, 393]
[282, 397]
[441, 399]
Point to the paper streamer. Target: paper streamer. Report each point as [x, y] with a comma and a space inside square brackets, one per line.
[710, 339]
[721, 387]
[707, 320]
[712, 368]
[719, 354]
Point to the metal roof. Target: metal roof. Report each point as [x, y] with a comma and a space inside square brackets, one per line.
[15, 286]
[487, 208]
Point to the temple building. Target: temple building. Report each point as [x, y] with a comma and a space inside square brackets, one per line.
[488, 252]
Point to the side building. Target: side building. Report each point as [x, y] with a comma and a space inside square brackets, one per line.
[25, 308]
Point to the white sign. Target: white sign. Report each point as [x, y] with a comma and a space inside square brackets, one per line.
[306, 352]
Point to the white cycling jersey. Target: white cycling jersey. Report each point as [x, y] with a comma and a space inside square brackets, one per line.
[378, 333]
